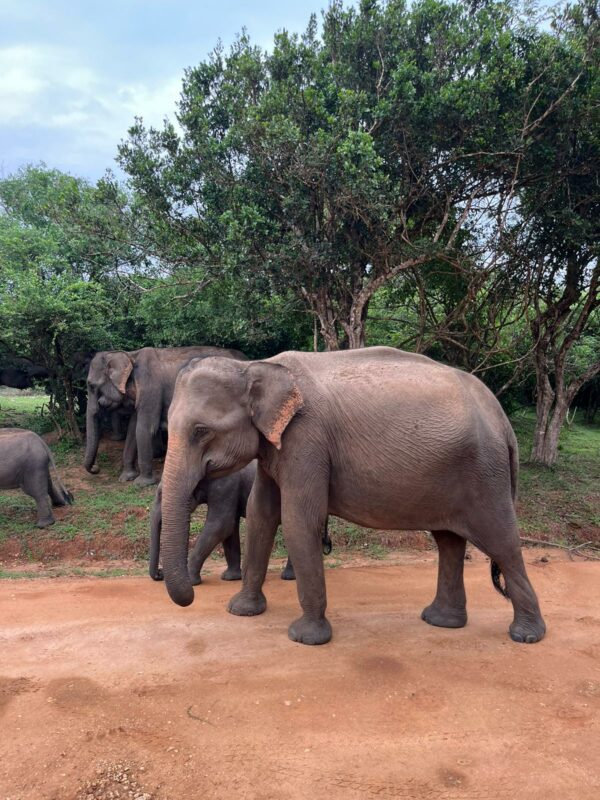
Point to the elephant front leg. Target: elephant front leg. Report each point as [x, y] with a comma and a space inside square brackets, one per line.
[145, 428]
[217, 529]
[116, 427]
[302, 526]
[449, 608]
[130, 472]
[233, 555]
[263, 515]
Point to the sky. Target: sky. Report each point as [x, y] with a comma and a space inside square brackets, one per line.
[75, 73]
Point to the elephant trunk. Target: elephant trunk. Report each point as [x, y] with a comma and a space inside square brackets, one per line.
[92, 434]
[176, 501]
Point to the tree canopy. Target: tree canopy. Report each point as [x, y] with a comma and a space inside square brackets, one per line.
[422, 174]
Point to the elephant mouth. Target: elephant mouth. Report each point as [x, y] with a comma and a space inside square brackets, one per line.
[106, 404]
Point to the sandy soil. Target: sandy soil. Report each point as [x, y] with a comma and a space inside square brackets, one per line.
[108, 690]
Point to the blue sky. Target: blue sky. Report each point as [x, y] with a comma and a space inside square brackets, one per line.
[74, 73]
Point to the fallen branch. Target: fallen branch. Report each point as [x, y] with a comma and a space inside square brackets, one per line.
[191, 715]
[569, 548]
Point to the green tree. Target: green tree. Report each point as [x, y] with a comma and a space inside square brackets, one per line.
[555, 239]
[337, 161]
[58, 295]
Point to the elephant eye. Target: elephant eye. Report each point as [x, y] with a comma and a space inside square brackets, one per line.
[200, 431]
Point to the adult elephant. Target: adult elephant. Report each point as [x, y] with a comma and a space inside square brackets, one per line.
[379, 437]
[142, 382]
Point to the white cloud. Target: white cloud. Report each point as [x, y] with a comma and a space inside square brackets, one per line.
[152, 103]
[21, 80]
[47, 88]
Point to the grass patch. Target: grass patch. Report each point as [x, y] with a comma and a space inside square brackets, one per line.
[24, 410]
[561, 502]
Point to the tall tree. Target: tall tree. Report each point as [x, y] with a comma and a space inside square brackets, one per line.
[557, 232]
[58, 298]
[339, 160]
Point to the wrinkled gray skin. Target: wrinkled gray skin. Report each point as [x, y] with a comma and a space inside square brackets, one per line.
[226, 499]
[25, 462]
[379, 437]
[139, 382]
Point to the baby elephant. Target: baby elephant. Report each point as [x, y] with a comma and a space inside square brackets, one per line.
[25, 462]
[226, 500]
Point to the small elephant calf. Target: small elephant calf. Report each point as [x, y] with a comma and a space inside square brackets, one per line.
[25, 462]
[226, 500]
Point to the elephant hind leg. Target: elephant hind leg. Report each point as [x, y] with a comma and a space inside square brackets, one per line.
[35, 485]
[449, 608]
[502, 544]
[233, 555]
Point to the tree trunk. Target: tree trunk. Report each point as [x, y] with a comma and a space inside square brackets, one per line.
[357, 318]
[72, 424]
[545, 399]
[547, 438]
[321, 306]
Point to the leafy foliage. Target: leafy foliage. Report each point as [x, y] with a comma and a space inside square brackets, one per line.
[425, 175]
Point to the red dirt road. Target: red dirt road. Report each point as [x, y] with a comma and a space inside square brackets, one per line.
[108, 690]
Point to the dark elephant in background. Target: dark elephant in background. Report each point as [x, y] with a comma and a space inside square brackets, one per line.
[25, 462]
[140, 382]
[21, 373]
[377, 436]
[226, 499]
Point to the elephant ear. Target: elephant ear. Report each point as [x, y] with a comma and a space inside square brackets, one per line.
[274, 399]
[119, 367]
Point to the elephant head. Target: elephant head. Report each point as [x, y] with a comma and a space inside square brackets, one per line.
[220, 410]
[107, 389]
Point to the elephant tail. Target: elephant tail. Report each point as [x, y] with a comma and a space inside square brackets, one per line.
[67, 496]
[327, 545]
[513, 455]
[497, 580]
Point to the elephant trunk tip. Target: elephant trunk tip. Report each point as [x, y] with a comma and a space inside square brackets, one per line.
[182, 595]
[93, 469]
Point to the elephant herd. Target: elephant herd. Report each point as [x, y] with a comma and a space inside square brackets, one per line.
[376, 436]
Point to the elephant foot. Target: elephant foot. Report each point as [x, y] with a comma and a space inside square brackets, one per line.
[128, 475]
[159, 575]
[145, 480]
[195, 578]
[287, 573]
[527, 631]
[244, 604]
[310, 631]
[444, 617]
[45, 523]
[232, 574]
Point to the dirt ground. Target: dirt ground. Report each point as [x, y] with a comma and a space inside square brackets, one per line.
[108, 690]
